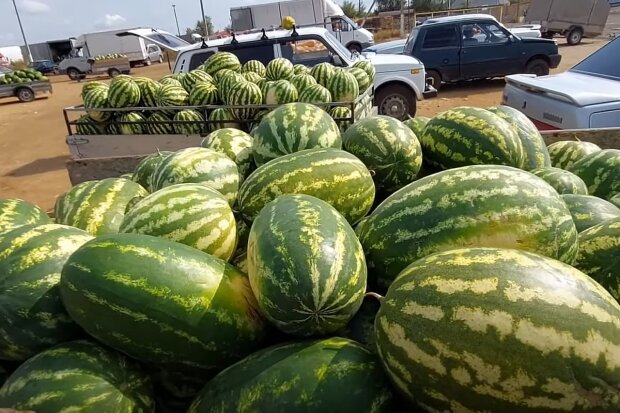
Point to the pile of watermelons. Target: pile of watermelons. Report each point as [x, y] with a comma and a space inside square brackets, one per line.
[110, 56]
[22, 76]
[454, 264]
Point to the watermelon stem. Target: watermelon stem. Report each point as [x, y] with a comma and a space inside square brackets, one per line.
[376, 296]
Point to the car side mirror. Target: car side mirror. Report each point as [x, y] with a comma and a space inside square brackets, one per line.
[337, 61]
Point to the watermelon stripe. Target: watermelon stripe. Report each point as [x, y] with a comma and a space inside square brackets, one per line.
[16, 212]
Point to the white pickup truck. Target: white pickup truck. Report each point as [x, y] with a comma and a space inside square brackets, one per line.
[400, 80]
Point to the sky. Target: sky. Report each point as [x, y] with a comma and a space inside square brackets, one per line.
[59, 19]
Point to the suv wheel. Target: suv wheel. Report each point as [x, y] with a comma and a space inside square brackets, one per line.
[537, 67]
[574, 36]
[397, 101]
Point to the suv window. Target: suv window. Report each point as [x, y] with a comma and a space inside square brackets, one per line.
[477, 34]
[199, 58]
[441, 37]
[262, 52]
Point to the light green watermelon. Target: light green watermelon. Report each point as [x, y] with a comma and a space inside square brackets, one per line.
[15, 212]
[600, 171]
[564, 154]
[235, 144]
[562, 181]
[588, 211]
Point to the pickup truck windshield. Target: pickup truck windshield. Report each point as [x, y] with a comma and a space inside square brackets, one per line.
[602, 63]
[411, 41]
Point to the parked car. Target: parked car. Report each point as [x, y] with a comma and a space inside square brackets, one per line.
[44, 66]
[477, 46]
[586, 96]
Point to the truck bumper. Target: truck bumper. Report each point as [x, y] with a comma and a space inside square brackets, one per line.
[554, 60]
[429, 92]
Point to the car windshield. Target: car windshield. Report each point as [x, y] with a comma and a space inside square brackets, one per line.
[411, 41]
[351, 22]
[340, 50]
[171, 41]
[602, 63]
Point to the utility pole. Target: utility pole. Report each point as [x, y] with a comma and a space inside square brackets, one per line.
[174, 7]
[204, 20]
[23, 34]
[402, 18]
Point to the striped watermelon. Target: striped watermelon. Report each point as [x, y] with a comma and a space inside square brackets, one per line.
[175, 390]
[368, 67]
[600, 171]
[222, 118]
[302, 81]
[199, 165]
[197, 311]
[136, 127]
[170, 81]
[171, 95]
[330, 174]
[615, 200]
[194, 77]
[87, 126]
[124, 92]
[235, 144]
[536, 153]
[588, 211]
[221, 60]
[341, 114]
[562, 181]
[241, 262]
[189, 115]
[363, 81]
[417, 124]
[315, 94]
[98, 207]
[264, 86]
[112, 127]
[227, 85]
[16, 212]
[97, 98]
[79, 376]
[154, 127]
[88, 86]
[204, 93]
[148, 91]
[389, 149]
[299, 69]
[254, 66]
[299, 288]
[291, 128]
[599, 254]
[191, 214]
[322, 73]
[253, 77]
[244, 94]
[144, 170]
[280, 92]
[360, 328]
[470, 136]
[478, 206]
[33, 318]
[449, 320]
[343, 86]
[279, 69]
[564, 154]
[328, 375]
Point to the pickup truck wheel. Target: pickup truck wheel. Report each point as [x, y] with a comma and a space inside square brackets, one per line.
[433, 77]
[537, 67]
[113, 73]
[574, 36]
[73, 73]
[397, 101]
[25, 94]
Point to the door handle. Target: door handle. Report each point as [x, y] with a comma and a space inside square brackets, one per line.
[445, 61]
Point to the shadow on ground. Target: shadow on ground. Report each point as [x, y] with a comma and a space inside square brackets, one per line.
[40, 166]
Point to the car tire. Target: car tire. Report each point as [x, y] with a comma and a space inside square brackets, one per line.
[73, 73]
[147, 62]
[161, 59]
[537, 67]
[397, 101]
[113, 72]
[355, 48]
[574, 36]
[435, 79]
[25, 94]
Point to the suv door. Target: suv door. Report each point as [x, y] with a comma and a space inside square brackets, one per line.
[438, 47]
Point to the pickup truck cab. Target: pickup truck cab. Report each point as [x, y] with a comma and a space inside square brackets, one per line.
[477, 46]
[399, 82]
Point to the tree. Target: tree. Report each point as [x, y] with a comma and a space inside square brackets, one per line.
[200, 28]
[350, 9]
[388, 5]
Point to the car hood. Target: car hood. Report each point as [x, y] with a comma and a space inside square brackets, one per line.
[393, 62]
[386, 45]
[580, 89]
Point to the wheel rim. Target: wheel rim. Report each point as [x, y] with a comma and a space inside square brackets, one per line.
[25, 95]
[574, 37]
[394, 106]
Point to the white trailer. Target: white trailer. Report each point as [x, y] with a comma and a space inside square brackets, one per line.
[104, 43]
[324, 13]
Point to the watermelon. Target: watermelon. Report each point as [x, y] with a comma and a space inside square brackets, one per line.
[227, 85]
[171, 95]
[536, 154]
[170, 81]
[279, 69]
[221, 60]
[368, 67]
[588, 211]
[564, 154]
[148, 91]
[217, 77]
[189, 115]
[291, 128]
[615, 200]
[562, 181]
[342, 116]
[191, 79]
[299, 288]
[299, 69]
[599, 254]
[330, 174]
[222, 118]
[253, 77]
[33, 318]
[280, 92]
[198, 311]
[97, 98]
[478, 206]
[243, 233]
[363, 81]
[600, 171]
[389, 149]
[328, 375]
[204, 93]
[470, 136]
[360, 328]
[98, 207]
[192, 214]
[343, 86]
[88, 86]
[561, 329]
[302, 81]
[159, 123]
[254, 66]
[417, 124]
[137, 125]
[124, 92]
[322, 73]
[85, 125]
[16, 212]
[79, 376]
[235, 144]
[144, 170]
[199, 165]
[112, 127]
[315, 94]
[244, 94]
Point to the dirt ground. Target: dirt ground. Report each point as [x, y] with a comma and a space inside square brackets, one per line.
[33, 151]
